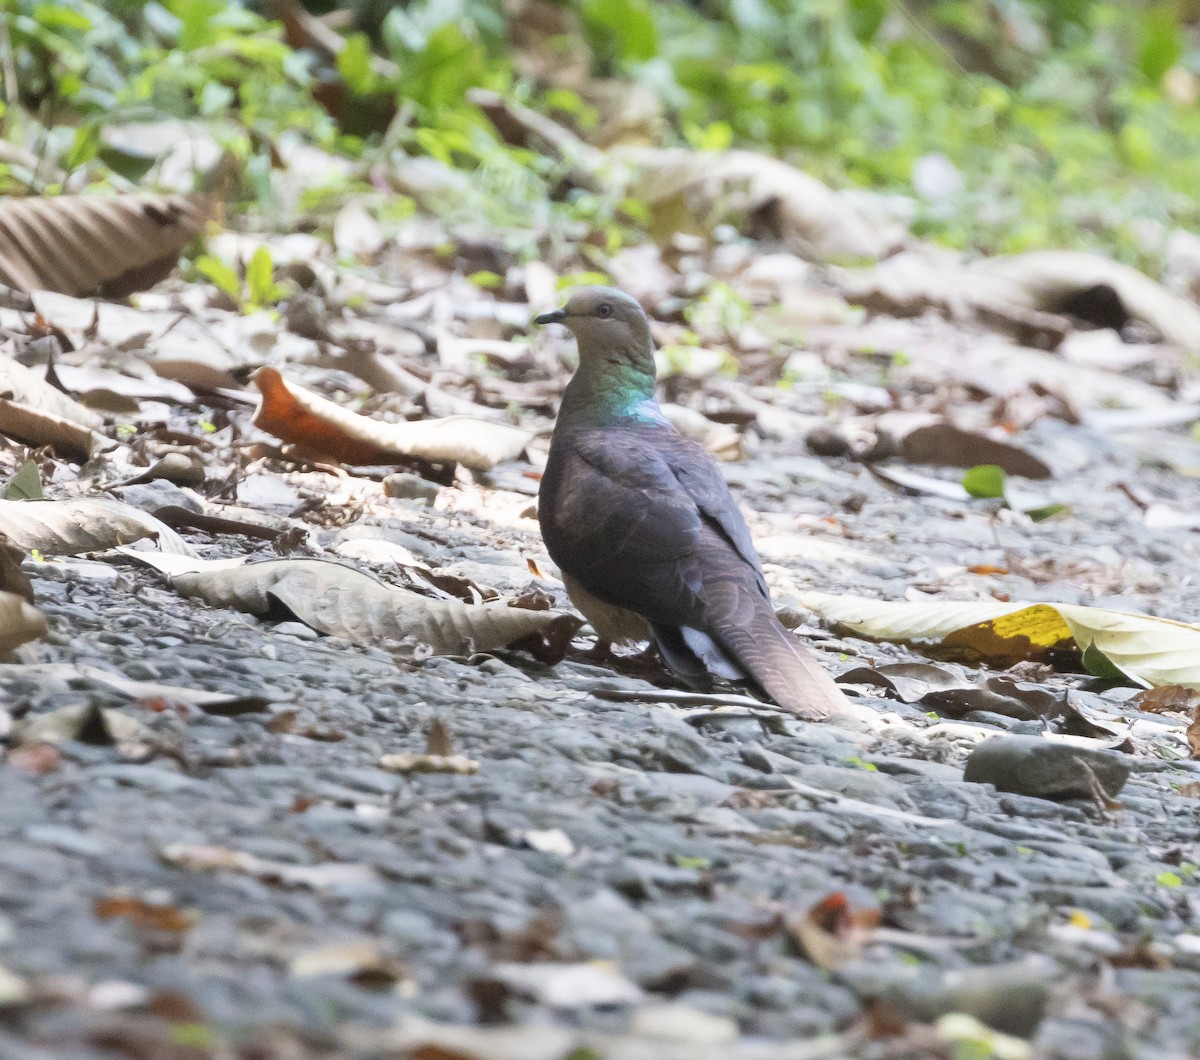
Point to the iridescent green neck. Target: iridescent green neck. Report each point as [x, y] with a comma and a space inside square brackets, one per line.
[601, 392]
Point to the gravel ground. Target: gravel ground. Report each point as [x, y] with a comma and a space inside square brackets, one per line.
[631, 872]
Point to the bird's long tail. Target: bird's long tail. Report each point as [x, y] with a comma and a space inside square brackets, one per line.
[784, 667]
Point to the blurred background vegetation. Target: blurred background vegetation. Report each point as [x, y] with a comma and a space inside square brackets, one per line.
[999, 125]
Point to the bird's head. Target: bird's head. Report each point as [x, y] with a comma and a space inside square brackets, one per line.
[608, 325]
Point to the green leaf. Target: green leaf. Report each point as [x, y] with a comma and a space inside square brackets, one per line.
[1047, 511]
[1168, 879]
[61, 16]
[1096, 663]
[1161, 46]
[193, 1036]
[222, 275]
[866, 16]
[260, 278]
[985, 480]
[627, 25]
[354, 64]
[132, 165]
[25, 484]
[84, 147]
[489, 281]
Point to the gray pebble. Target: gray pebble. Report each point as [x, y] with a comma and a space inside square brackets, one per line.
[1031, 765]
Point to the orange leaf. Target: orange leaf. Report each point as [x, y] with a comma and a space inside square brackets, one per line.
[319, 425]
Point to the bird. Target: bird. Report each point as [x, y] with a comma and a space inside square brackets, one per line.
[650, 542]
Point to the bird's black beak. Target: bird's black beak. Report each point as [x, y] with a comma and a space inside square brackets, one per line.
[555, 316]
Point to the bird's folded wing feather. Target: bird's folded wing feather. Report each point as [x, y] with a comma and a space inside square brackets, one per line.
[631, 514]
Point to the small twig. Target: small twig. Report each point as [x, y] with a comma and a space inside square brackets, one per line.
[1104, 802]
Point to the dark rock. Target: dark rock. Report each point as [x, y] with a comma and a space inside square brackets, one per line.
[1047, 769]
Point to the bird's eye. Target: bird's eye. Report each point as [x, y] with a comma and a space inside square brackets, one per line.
[604, 310]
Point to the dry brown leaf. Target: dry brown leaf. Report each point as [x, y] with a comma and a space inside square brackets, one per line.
[1028, 294]
[144, 914]
[437, 739]
[408, 762]
[336, 599]
[332, 875]
[86, 722]
[19, 621]
[25, 387]
[924, 438]
[1193, 733]
[37, 429]
[83, 524]
[686, 188]
[12, 578]
[36, 758]
[833, 931]
[34, 412]
[306, 419]
[78, 244]
[1167, 698]
[142, 691]
[1061, 281]
[363, 960]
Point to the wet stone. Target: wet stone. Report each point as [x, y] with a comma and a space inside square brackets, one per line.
[1030, 765]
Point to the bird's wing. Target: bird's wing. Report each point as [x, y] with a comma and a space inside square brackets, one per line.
[697, 473]
[625, 525]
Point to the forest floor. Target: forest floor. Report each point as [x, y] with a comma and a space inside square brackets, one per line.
[611, 867]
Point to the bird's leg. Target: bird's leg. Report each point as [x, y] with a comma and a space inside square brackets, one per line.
[648, 656]
[646, 664]
[601, 653]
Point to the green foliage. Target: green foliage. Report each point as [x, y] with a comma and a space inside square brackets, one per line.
[1069, 121]
[621, 32]
[25, 484]
[985, 481]
[259, 289]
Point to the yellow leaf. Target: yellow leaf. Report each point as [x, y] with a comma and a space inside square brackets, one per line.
[1148, 650]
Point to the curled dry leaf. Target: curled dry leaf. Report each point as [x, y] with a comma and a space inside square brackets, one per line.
[408, 762]
[12, 578]
[1028, 295]
[330, 876]
[25, 387]
[363, 960]
[36, 428]
[154, 916]
[83, 524]
[306, 419]
[145, 691]
[1148, 650]
[87, 723]
[336, 599]
[1093, 287]
[34, 412]
[77, 244]
[19, 621]
[923, 438]
[1167, 698]
[833, 931]
[770, 197]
